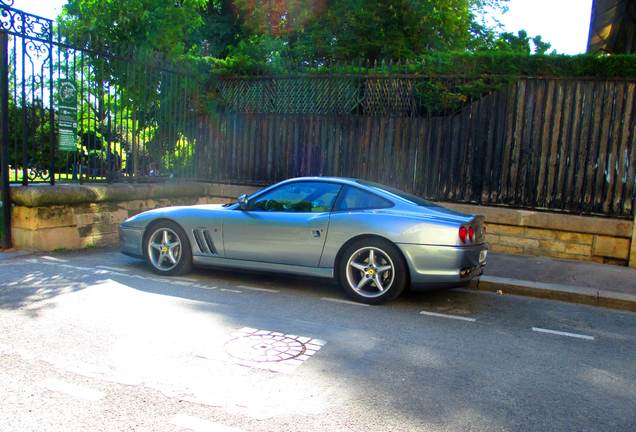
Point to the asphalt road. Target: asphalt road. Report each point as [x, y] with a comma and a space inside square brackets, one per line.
[94, 341]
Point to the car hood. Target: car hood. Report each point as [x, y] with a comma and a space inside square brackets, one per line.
[140, 220]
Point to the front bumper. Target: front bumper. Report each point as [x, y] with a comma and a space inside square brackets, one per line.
[444, 265]
[130, 240]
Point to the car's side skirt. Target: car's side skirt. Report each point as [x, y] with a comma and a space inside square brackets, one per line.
[262, 266]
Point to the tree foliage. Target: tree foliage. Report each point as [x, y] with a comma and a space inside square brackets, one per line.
[287, 31]
[116, 26]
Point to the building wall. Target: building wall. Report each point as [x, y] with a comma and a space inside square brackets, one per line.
[612, 27]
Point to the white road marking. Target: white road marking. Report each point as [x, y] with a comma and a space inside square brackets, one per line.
[50, 258]
[205, 287]
[441, 315]
[78, 392]
[73, 267]
[200, 425]
[230, 290]
[180, 282]
[117, 269]
[251, 288]
[337, 300]
[561, 333]
[188, 279]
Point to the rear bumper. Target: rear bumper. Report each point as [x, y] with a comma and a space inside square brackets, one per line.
[130, 241]
[431, 265]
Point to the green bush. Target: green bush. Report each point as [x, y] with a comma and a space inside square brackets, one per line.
[462, 64]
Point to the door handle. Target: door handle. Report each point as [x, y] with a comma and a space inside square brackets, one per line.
[315, 233]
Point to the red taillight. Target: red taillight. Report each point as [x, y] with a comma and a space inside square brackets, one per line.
[462, 234]
[471, 233]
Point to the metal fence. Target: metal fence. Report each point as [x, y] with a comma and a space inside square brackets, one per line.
[69, 114]
[126, 114]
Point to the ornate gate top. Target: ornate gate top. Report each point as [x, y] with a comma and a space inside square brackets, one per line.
[19, 23]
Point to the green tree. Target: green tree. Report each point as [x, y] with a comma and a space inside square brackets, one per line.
[280, 31]
[115, 26]
[351, 30]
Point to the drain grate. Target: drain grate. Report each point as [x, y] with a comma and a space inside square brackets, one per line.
[270, 350]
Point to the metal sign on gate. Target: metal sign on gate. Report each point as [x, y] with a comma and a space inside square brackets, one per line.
[67, 115]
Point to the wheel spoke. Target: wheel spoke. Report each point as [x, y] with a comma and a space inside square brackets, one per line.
[378, 283]
[362, 283]
[166, 240]
[173, 245]
[371, 257]
[357, 266]
[156, 246]
[382, 269]
[171, 257]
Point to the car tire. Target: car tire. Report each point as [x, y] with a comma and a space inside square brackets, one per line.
[171, 255]
[372, 278]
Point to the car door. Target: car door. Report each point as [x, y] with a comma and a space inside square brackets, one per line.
[285, 225]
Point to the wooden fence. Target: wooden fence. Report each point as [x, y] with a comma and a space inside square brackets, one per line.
[554, 144]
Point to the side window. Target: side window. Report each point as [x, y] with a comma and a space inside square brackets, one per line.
[358, 199]
[306, 197]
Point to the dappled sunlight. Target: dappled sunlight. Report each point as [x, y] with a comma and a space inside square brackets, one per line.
[610, 382]
[35, 291]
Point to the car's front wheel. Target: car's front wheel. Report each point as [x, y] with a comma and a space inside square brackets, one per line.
[167, 249]
[372, 271]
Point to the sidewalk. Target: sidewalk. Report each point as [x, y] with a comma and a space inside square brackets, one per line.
[7, 254]
[572, 281]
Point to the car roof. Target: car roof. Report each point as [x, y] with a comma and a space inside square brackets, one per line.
[353, 182]
[344, 180]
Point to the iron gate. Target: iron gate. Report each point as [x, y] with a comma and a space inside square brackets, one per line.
[71, 114]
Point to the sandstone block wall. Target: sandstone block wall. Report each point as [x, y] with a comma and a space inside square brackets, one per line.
[555, 235]
[78, 216]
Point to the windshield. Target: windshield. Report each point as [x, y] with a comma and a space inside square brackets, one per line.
[404, 195]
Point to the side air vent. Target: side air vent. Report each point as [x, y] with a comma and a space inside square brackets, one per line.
[204, 241]
[208, 242]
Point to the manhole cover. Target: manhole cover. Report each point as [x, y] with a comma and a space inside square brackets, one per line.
[269, 349]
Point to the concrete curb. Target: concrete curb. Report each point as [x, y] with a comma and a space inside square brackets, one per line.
[566, 293]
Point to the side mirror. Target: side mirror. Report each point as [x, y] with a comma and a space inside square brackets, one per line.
[242, 200]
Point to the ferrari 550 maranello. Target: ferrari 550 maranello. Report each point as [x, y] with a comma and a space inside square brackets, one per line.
[375, 240]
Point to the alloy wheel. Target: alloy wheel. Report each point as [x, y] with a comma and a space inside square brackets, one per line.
[164, 249]
[370, 272]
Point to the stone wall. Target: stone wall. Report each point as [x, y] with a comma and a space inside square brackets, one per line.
[583, 238]
[79, 216]
[49, 218]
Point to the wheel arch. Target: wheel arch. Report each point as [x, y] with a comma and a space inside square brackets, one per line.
[156, 222]
[368, 236]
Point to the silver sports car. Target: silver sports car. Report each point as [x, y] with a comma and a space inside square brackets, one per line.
[375, 240]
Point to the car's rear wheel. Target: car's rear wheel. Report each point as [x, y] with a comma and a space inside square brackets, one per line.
[372, 271]
[167, 249]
